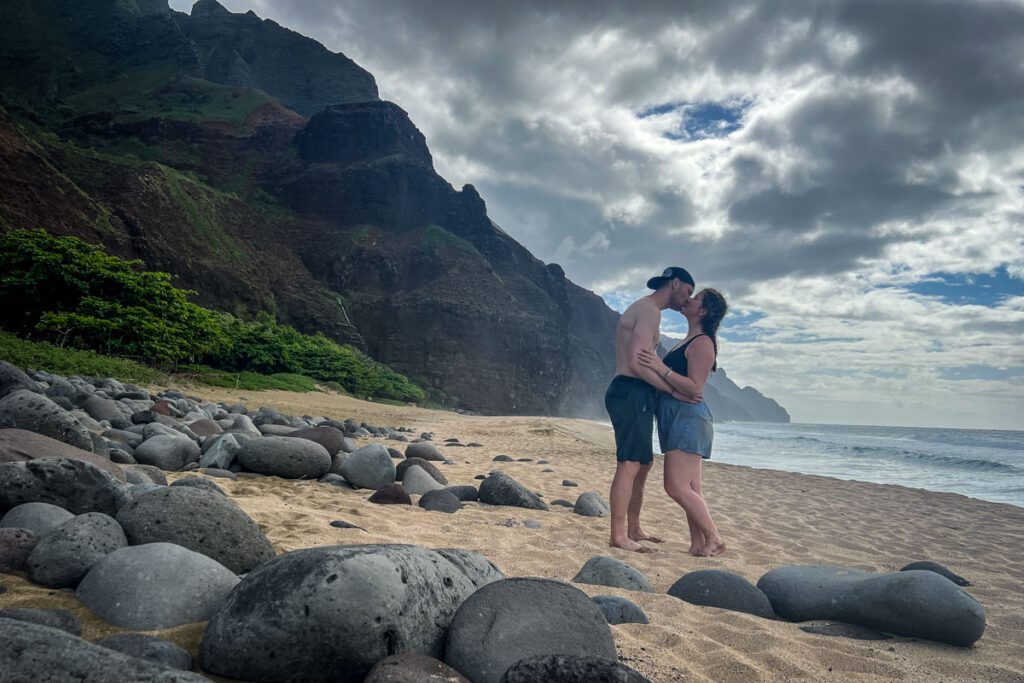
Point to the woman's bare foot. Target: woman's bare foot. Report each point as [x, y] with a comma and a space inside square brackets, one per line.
[644, 536]
[631, 545]
[714, 548]
[697, 550]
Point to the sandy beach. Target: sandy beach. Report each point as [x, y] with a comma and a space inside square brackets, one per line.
[768, 518]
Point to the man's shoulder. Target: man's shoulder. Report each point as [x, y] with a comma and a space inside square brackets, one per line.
[642, 306]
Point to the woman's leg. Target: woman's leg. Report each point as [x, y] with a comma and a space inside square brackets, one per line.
[682, 483]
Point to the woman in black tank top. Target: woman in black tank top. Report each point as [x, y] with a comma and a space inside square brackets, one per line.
[685, 425]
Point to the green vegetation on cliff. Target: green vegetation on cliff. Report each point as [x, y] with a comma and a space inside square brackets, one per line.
[72, 293]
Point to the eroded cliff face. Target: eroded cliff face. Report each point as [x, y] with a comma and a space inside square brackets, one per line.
[263, 171]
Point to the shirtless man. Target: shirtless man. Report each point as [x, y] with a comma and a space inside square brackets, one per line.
[630, 401]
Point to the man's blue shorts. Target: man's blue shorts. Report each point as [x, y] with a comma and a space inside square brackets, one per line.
[631, 404]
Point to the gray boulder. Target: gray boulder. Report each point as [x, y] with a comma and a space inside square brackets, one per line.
[18, 445]
[168, 452]
[200, 483]
[13, 379]
[427, 466]
[620, 610]
[199, 520]
[142, 489]
[148, 473]
[24, 409]
[487, 634]
[914, 604]
[500, 489]
[571, 669]
[15, 547]
[29, 652]
[416, 482]
[440, 500]
[349, 445]
[370, 467]
[101, 408]
[717, 588]
[477, 568]
[62, 558]
[280, 456]
[142, 586]
[347, 605]
[930, 566]
[424, 450]
[75, 485]
[39, 518]
[466, 493]
[54, 618]
[330, 438]
[150, 648]
[602, 570]
[413, 668]
[590, 504]
[222, 451]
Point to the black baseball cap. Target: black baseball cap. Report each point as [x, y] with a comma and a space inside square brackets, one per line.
[675, 272]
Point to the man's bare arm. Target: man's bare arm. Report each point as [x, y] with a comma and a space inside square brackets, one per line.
[645, 332]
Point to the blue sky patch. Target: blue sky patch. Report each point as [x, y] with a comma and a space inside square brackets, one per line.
[982, 289]
[700, 120]
[983, 372]
[740, 327]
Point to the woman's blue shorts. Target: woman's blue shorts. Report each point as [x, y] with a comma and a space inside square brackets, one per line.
[685, 427]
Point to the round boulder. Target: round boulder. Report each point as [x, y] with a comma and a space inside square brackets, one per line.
[620, 610]
[75, 485]
[417, 482]
[571, 669]
[283, 457]
[717, 588]
[39, 518]
[150, 648]
[466, 493]
[440, 501]
[15, 547]
[62, 558]
[427, 466]
[54, 618]
[413, 668]
[370, 467]
[331, 438]
[392, 494]
[508, 620]
[13, 379]
[199, 520]
[142, 587]
[424, 450]
[603, 570]
[168, 452]
[331, 613]
[24, 409]
[590, 504]
[200, 483]
[501, 489]
[929, 566]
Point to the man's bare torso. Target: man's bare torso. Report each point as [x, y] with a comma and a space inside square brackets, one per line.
[624, 332]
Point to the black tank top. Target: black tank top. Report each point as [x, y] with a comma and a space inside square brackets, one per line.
[676, 358]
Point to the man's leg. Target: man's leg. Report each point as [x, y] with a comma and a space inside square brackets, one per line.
[636, 501]
[619, 497]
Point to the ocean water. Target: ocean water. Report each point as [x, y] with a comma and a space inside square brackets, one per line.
[985, 464]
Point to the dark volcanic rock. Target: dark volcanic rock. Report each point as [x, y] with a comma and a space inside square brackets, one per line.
[413, 668]
[487, 634]
[54, 618]
[24, 409]
[392, 494]
[13, 379]
[717, 588]
[199, 520]
[200, 483]
[503, 458]
[501, 489]
[620, 610]
[915, 603]
[331, 438]
[427, 466]
[39, 518]
[929, 566]
[465, 493]
[62, 558]
[424, 450]
[370, 467]
[281, 456]
[15, 547]
[477, 568]
[570, 669]
[29, 652]
[168, 452]
[347, 605]
[440, 501]
[602, 570]
[142, 587]
[74, 485]
[150, 648]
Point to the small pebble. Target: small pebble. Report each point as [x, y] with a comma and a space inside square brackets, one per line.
[569, 482]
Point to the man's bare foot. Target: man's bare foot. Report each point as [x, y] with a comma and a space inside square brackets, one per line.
[631, 545]
[644, 536]
[714, 549]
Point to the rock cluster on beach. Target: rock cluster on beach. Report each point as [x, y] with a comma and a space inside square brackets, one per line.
[85, 506]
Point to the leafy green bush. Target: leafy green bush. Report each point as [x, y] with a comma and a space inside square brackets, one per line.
[50, 358]
[74, 293]
[249, 381]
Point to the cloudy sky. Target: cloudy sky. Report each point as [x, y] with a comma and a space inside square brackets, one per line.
[849, 174]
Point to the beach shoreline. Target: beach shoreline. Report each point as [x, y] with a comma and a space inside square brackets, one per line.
[769, 518]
